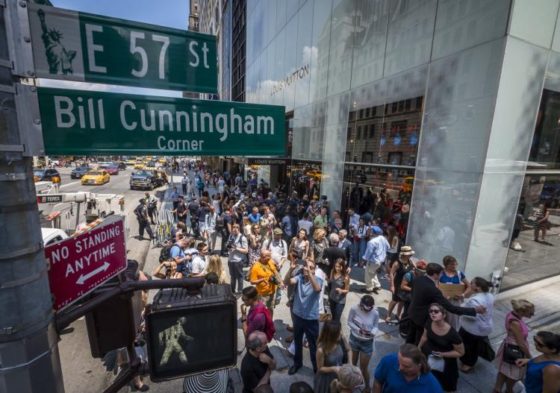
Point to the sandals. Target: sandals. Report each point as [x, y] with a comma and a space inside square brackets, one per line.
[143, 388]
[466, 369]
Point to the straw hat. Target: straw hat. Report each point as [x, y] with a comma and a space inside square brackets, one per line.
[407, 250]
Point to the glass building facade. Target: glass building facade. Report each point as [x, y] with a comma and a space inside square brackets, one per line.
[455, 102]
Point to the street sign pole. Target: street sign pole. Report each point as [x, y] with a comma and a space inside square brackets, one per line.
[29, 358]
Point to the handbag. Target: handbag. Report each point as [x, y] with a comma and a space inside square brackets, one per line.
[436, 363]
[512, 353]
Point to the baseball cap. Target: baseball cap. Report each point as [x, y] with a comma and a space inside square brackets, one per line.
[377, 230]
[277, 231]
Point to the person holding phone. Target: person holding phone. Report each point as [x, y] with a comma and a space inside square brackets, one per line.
[363, 320]
[305, 311]
[442, 345]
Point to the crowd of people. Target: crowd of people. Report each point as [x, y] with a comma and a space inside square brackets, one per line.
[297, 249]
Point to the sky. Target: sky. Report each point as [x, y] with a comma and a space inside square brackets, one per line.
[169, 13]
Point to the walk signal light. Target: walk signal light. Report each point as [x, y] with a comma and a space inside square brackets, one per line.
[191, 334]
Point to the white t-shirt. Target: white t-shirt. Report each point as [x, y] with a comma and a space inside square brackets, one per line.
[198, 264]
[481, 324]
[278, 249]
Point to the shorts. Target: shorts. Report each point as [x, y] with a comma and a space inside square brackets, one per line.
[269, 301]
[363, 346]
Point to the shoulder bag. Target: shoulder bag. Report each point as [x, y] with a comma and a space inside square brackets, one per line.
[512, 352]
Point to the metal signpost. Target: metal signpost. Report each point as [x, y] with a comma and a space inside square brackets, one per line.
[77, 122]
[83, 47]
[79, 264]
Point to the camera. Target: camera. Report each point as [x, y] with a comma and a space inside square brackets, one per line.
[230, 244]
[274, 280]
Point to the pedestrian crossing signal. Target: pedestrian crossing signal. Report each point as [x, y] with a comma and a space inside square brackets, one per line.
[191, 334]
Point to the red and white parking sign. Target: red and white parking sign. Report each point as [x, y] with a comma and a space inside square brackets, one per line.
[79, 264]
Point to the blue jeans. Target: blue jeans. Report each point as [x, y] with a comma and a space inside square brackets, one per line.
[309, 327]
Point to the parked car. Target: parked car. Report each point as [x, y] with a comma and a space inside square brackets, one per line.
[111, 168]
[78, 172]
[96, 177]
[143, 180]
[46, 175]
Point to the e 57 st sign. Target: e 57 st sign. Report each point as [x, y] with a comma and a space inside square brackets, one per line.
[77, 122]
[89, 48]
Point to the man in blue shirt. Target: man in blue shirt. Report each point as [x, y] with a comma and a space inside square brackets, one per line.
[255, 216]
[305, 311]
[177, 253]
[374, 256]
[405, 371]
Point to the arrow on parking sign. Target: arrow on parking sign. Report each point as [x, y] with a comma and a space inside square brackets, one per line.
[85, 277]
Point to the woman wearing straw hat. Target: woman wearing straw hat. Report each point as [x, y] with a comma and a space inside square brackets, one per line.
[402, 266]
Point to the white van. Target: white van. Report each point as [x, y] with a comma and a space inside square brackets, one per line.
[53, 235]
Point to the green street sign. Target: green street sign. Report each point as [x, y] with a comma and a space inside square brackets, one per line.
[77, 122]
[83, 47]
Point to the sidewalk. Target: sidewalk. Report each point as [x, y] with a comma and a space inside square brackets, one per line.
[544, 294]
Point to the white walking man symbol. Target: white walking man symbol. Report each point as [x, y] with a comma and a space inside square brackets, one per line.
[171, 338]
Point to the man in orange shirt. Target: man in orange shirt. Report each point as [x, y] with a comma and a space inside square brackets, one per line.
[265, 278]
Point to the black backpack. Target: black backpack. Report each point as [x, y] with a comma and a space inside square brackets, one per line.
[165, 253]
[220, 223]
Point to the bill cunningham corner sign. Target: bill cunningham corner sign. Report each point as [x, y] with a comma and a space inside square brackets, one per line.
[77, 122]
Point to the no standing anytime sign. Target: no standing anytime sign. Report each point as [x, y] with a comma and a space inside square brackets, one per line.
[79, 264]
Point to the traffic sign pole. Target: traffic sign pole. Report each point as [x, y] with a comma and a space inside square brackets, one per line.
[28, 341]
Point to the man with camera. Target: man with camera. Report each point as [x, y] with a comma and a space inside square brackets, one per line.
[265, 278]
[238, 248]
[305, 311]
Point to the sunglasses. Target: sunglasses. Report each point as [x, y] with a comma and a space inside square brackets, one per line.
[434, 311]
[367, 308]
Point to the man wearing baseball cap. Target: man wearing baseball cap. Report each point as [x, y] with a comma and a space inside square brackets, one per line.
[375, 255]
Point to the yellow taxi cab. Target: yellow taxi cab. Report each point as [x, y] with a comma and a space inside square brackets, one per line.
[407, 184]
[130, 162]
[316, 175]
[139, 165]
[96, 178]
[162, 160]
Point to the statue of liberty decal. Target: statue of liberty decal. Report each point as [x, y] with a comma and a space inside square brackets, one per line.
[59, 58]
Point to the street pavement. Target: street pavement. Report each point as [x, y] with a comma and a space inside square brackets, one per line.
[86, 375]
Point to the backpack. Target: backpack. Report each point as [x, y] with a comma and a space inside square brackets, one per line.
[269, 328]
[165, 253]
[139, 212]
[220, 224]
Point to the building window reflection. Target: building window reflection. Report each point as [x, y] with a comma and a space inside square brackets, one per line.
[545, 149]
[398, 124]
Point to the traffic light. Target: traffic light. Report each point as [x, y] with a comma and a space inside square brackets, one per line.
[190, 334]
